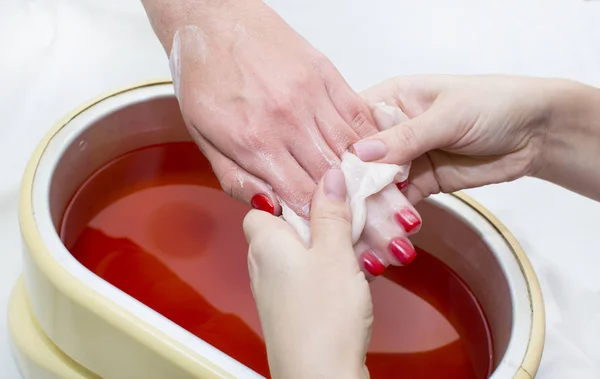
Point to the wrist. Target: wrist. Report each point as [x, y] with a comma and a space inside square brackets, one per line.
[309, 364]
[331, 371]
[213, 17]
[571, 137]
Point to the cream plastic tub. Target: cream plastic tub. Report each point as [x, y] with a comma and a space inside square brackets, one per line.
[114, 336]
[36, 355]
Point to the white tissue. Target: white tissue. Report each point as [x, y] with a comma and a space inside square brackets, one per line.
[363, 179]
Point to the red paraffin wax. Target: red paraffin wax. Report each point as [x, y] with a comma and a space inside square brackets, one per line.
[155, 224]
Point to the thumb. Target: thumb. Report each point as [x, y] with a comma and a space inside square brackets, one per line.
[406, 141]
[330, 217]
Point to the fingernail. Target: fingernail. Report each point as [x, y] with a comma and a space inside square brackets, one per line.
[369, 150]
[402, 185]
[408, 220]
[372, 264]
[335, 185]
[402, 250]
[262, 203]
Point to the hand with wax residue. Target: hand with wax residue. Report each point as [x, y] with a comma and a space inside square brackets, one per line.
[272, 114]
[268, 110]
[314, 303]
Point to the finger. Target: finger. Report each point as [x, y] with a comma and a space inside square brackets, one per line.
[268, 235]
[413, 94]
[422, 181]
[270, 163]
[335, 130]
[330, 221]
[369, 260]
[254, 224]
[258, 224]
[383, 92]
[271, 241]
[440, 171]
[404, 142]
[391, 220]
[350, 106]
[236, 181]
[386, 116]
[289, 180]
[313, 153]
[413, 194]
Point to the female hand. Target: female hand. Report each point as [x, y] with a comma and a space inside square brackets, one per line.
[314, 302]
[462, 132]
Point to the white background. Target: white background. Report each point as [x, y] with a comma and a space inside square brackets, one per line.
[56, 54]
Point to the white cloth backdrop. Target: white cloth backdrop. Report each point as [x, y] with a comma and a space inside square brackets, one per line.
[55, 54]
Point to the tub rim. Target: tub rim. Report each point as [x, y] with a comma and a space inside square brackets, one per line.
[129, 324]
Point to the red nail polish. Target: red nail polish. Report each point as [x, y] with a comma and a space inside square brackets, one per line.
[262, 202]
[402, 185]
[408, 219]
[402, 250]
[372, 264]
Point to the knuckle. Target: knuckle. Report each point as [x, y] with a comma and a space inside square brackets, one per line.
[358, 119]
[302, 80]
[298, 197]
[278, 105]
[280, 101]
[229, 181]
[338, 216]
[404, 136]
[361, 122]
[253, 139]
[264, 244]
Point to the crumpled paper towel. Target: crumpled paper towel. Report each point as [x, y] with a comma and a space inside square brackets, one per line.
[363, 179]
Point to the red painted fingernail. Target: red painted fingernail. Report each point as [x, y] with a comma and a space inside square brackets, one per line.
[372, 264]
[408, 219]
[262, 203]
[402, 185]
[402, 250]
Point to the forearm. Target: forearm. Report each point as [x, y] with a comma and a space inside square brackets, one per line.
[167, 16]
[571, 148]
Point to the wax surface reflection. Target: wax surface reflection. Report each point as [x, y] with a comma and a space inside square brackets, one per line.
[155, 224]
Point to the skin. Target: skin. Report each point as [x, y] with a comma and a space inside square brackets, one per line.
[461, 132]
[316, 344]
[269, 111]
[266, 108]
[512, 127]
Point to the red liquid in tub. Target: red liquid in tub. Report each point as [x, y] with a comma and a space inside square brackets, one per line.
[155, 224]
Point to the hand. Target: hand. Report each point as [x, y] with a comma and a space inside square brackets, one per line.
[270, 112]
[461, 132]
[314, 303]
[272, 115]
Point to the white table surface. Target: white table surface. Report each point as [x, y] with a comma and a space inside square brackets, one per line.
[56, 54]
